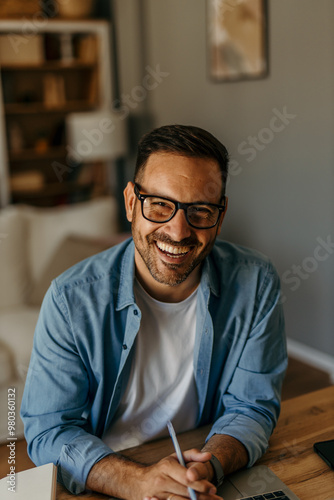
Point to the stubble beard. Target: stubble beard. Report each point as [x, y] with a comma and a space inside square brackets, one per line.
[174, 274]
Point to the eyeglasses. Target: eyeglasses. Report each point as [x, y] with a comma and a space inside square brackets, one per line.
[159, 209]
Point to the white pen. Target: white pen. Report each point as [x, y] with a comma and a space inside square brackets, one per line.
[179, 454]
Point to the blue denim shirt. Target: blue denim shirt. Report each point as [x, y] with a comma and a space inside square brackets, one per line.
[84, 343]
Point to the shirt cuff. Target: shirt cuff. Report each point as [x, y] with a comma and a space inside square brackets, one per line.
[76, 460]
[248, 431]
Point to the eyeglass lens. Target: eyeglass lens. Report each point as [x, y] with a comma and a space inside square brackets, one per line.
[161, 210]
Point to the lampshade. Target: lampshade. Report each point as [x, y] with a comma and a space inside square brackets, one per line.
[96, 136]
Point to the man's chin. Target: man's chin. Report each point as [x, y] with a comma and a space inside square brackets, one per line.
[170, 274]
[169, 281]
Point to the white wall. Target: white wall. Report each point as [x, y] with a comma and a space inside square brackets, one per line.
[280, 202]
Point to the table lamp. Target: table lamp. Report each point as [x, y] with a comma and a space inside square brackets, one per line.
[96, 136]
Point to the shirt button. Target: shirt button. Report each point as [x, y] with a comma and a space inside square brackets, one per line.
[124, 347]
[135, 312]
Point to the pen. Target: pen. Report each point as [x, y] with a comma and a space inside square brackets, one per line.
[179, 454]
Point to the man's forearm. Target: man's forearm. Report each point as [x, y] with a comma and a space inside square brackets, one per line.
[230, 452]
[112, 474]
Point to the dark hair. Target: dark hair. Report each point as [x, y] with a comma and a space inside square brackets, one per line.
[184, 140]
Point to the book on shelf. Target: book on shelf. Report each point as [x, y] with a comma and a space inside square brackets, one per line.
[87, 49]
[53, 91]
[16, 49]
[32, 180]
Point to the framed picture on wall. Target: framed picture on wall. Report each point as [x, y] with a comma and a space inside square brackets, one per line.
[237, 33]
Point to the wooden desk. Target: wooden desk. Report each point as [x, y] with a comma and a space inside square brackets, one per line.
[303, 421]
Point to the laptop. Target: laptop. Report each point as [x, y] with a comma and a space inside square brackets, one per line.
[256, 483]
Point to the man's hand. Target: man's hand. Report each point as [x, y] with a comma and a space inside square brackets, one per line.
[117, 476]
[169, 480]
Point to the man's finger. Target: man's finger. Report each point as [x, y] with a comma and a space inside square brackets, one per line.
[172, 470]
[198, 471]
[195, 455]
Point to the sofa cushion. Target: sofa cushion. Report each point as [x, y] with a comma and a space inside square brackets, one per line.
[71, 250]
[14, 268]
[17, 327]
[49, 226]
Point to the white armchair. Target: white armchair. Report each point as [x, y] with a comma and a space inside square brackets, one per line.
[37, 244]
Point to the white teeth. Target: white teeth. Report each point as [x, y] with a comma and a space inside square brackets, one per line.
[172, 250]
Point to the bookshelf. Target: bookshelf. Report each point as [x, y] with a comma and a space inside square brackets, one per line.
[47, 72]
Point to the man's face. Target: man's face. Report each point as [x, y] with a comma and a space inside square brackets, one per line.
[171, 252]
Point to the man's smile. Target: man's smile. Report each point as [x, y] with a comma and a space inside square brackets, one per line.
[171, 250]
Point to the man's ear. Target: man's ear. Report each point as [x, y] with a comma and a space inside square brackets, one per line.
[129, 200]
[219, 225]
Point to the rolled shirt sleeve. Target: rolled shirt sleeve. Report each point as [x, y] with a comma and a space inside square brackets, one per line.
[250, 401]
[56, 399]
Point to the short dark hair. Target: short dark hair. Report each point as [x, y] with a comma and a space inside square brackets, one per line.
[185, 140]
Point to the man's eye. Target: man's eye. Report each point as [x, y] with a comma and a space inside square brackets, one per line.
[202, 210]
[161, 204]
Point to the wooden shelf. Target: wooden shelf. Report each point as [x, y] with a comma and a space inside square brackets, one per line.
[40, 108]
[74, 65]
[66, 69]
[33, 155]
[55, 189]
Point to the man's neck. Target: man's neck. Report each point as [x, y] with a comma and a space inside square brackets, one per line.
[167, 293]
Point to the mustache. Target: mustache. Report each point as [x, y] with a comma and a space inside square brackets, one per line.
[186, 242]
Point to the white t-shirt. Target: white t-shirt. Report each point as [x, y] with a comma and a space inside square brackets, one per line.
[161, 385]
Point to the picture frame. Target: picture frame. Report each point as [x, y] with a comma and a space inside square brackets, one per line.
[237, 39]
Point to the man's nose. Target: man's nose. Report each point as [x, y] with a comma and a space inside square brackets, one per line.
[178, 227]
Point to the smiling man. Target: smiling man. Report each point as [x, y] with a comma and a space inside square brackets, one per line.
[169, 325]
[169, 251]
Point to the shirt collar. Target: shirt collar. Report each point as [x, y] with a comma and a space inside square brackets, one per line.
[126, 277]
[210, 278]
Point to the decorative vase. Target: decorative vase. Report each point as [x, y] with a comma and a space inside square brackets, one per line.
[75, 9]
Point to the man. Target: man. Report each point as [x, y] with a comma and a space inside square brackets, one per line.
[171, 324]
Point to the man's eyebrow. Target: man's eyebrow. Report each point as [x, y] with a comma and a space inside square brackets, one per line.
[174, 200]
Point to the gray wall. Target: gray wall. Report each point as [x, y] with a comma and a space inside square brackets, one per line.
[280, 197]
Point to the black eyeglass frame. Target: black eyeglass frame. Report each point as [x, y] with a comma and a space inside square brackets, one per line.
[178, 205]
